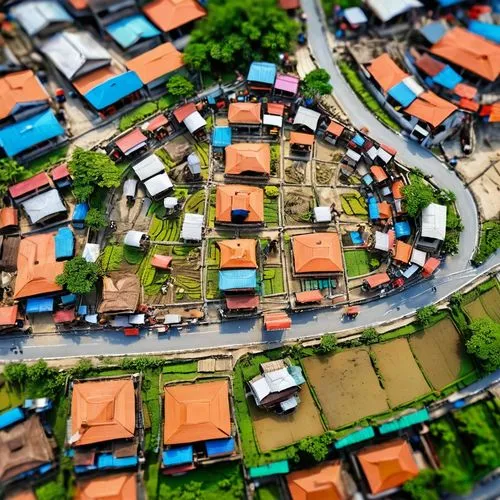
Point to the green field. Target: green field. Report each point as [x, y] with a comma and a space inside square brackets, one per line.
[354, 204]
[273, 280]
[271, 211]
[357, 262]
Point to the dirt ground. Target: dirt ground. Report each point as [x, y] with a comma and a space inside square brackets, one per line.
[346, 385]
[486, 305]
[275, 431]
[403, 380]
[440, 352]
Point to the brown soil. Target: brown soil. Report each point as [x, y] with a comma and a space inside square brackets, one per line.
[488, 304]
[295, 172]
[475, 309]
[298, 203]
[324, 173]
[346, 385]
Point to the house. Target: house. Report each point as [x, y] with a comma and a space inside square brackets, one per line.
[120, 296]
[248, 159]
[237, 254]
[317, 254]
[157, 66]
[8, 317]
[388, 10]
[238, 204]
[430, 266]
[191, 118]
[309, 297]
[301, 143]
[402, 252]
[237, 280]
[149, 167]
[306, 120]
[61, 176]
[286, 86]
[433, 227]
[45, 207]
[375, 281]
[159, 127]
[192, 227]
[239, 304]
[132, 143]
[194, 166]
[333, 132]
[261, 76]
[9, 250]
[121, 486]
[245, 115]
[221, 138]
[9, 219]
[387, 466]
[37, 267]
[136, 239]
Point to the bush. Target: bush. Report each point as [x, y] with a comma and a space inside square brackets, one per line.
[272, 191]
[425, 315]
[328, 344]
[369, 336]
[423, 487]
[315, 449]
[96, 219]
[489, 242]
[374, 263]
[484, 343]
[16, 374]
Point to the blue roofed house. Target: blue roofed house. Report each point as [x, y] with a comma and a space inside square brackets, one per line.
[261, 76]
[221, 137]
[64, 243]
[486, 30]
[79, 213]
[237, 279]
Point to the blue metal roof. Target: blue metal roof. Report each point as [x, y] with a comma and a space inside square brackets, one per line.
[107, 461]
[367, 179]
[83, 310]
[10, 417]
[64, 243]
[356, 237]
[221, 137]
[131, 30]
[39, 305]
[220, 446]
[447, 78]
[357, 139]
[68, 299]
[262, 72]
[402, 229]
[280, 467]
[235, 279]
[355, 437]
[80, 212]
[116, 88]
[296, 372]
[433, 32]
[23, 135]
[447, 3]
[373, 210]
[486, 30]
[402, 94]
[177, 455]
[405, 421]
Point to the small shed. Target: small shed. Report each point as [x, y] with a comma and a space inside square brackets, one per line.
[306, 119]
[221, 137]
[36, 305]
[130, 188]
[136, 239]
[64, 241]
[170, 202]
[131, 142]
[44, 207]
[161, 261]
[301, 142]
[158, 185]
[149, 167]
[194, 164]
[61, 176]
[79, 213]
[192, 227]
[277, 321]
[91, 252]
[195, 123]
[322, 214]
[9, 219]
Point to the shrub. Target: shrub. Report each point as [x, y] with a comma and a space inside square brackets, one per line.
[425, 315]
[489, 242]
[374, 263]
[96, 219]
[484, 343]
[79, 276]
[137, 115]
[328, 344]
[423, 487]
[369, 336]
[272, 191]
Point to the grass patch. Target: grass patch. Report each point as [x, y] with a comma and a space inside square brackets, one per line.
[167, 101]
[137, 115]
[489, 241]
[273, 280]
[271, 211]
[112, 257]
[275, 158]
[213, 291]
[44, 162]
[357, 262]
[150, 396]
[132, 255]
[354, 204]
[268, 492]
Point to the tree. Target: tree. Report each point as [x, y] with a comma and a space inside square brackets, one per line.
[454, 480]
[91, 169]
[16, 374]
[417, 196]
[425, 314]
[96, 219]
[423, 487]
[328, 343]
[10, 172]
[369, 336]
[180, 87]
[235, 33]
[315, 448]
[316, 83]
[51, 491]
[79, 276]
[446, 196]
[38, 373]
[484, 343]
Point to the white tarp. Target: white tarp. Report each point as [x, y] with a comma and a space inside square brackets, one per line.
[279, 380]
[418, 257]
[434, 222]
[119, 322]
[129, 188]
[322, 214]
[384, 155]
[354, 15]
[43, 205]
[382, 241]
[192, 227]
[148, 167]
[194, 164]
[158, 184]
[172, 319]
[91, 318]
[372, 152]
[170, 202]
[137, 319]
[134, 238]
[260, 388]
[289, 404]
[385, 10]
[353, 155]
[194, 122]
[307, 117]
[91, 252]
[273, 120]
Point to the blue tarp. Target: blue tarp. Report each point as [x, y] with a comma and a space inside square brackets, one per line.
[80, 212]
[356, 238]
[83, 310]
[271, 469]
[373, 208]
[447, 3]
[126, 32]
[296, 373]
[39, 305]
[402, 94]
[107, 460]
[447, 78]
[64, 243]
[262, 72]
[220, 447]
[113, 90]
[357, 139]
[10, 417]
[367, 179]
[402, 229]
[221, 137]
[177, 455]
[433, 32]
[68, 299]
[486, 30]
[25, 134]
[235, 279]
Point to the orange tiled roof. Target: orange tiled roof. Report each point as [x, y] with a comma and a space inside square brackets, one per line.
[37, 267]
[171, 14]
[402, 252]
[396, 189]
[79, 4]
[317, 253]
[111, 487]
[377, 279]
[234, 197]
[471, 52]
[289, 4]
[8, 315]
[388, 465]
[308, 296]
[378, 173]
[323, 482]
[103, 411]
[301, 138]
[156, 63]
[87, 82]
[196, 412]
[248, 157]
[237, 254]
[244, 112]
[430, 108]
[385, 210]
[18, 88]
[8, 217]
[335, 128]
[386, 72]
[22, 495]
[274, 108]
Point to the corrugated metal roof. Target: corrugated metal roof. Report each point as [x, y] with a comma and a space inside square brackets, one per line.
[271, 469]
[235, 279]
[434, 221]
[64, 243]
[43, 205]
[447, 78]
[130, 30]
[307, 117]
[177, 455]
[486, 30]
[221, 137]
[402, 94]
[36, 305]
[10, 417]
[34, 17]
[405, 421]
[355, 437]
[262, 72]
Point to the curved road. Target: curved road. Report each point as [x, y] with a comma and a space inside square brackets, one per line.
[455, 273]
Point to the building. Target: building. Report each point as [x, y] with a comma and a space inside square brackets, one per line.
[120, 296]
[151, 171]
[392, 10]
[306, 120]
[317, 254]
[238, 254]
[402, 252]
[245, 115]
[30, 187]
[110, 487]
[433, 227]
[129, 145]
[248, 159]
[44, 208]
[9, 248]
[9, 219]
[261, 76]
[239, 204]
[192, 119]
[61, 176]
[301, 143]
[286, 86]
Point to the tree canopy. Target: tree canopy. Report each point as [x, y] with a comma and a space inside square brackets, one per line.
[96, 219]
[484, 343]
[236, 33]
[179, 86]
[10, 172]
[316, 83]
[328, 344]
[417, 195]
[424, 486]
[91, 169]
[79, 276]
[425, 314]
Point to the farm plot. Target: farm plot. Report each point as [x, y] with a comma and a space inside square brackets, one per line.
[357, 262]
[402, 378]
[441, 354]
[298, 206]
[354, 204]
[487, 304]
[273, 280]
[346, 385]
[271, 211]
[275, 431]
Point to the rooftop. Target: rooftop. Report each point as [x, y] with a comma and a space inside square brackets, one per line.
[317, 253]
[431, 108]
[239, 200]
[110, 487]
[248, 157]
[245, 113]
[120, 296]
[237, 254]
[262, 72]
[171, 14]
[386, 72]
[131, 30]
[321, 482]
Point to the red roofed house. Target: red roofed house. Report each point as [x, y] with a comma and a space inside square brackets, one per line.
[30, 187]
[245, 115]
[9, 219]
[131, 143]
[61, 176]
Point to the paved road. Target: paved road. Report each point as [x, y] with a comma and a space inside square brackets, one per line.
[455, 273]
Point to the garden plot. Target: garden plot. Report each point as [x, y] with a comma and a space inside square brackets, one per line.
[328, 152]
[358, 262]
[353, 204]
[324, 172]
[273, 280]
[297, 172]
[402, 378]
[271, 209]
[275, 431]
[487, 304]
[441, 354]
[346, 385]
[298, 206]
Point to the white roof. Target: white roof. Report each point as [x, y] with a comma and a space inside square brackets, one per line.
[289, 403]
[148, 167]
[194, 164]
[91, 252]
[418, 257]
[372, 152]
[36, 16]
[384, 155]
[260, 388]
[361, 169]
[129, 187]
[307, 117]
[172, 319]
[410, 271]
[158, 184]
[194, 121]
[43, 205]
[91, 318]
[386, 190]
[279, 380]
[170, 202]
[399, 205]
[382, 241]
[434, 222]
[273, 120]
[133, 238]
[413, 85]
[322, 214]
[353, 155]
[387, 9]
[422, 131]
[192, 227]
[355, 15]
[137, 319]
[119, 321]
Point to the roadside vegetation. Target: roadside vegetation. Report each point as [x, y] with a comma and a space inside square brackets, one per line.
[489, 241]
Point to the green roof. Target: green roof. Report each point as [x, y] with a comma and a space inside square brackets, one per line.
[405, 421]
[280, 467]
[355, 437]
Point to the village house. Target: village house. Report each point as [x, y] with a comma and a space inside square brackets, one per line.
[245, 117]
[151, 172]
[119, 295]
[433, 228]
[191, 118]
[248, 159]
[261, 77]
[239, 204]
[301, 143]
[123, 486]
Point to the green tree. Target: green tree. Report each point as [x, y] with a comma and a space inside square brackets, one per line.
[272, 191]
[425, 315]
[446, 196]
[51, 491]
[38, 372]
[10, 172]
[82, 369]
[417, 195]
[369, 336]
[294, 351]
[484, 343]
[96, 219]
[16, 374]
[196, 57]
[454, 480]
[179, 86]
[79, 276]
[91, 169]
[328, 344]
[423, 487]
[316, 83]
